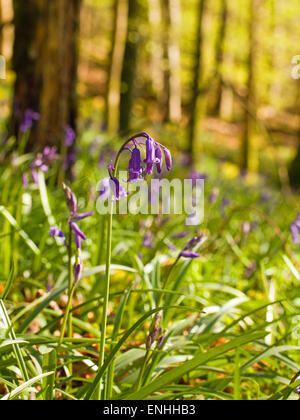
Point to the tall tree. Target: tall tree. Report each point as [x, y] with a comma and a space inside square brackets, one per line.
[250, 84]
[171, 15]
[220, 50]
[112, 95]
[45, 62]
[1, 27]
[197, 76]
[157, 72]
[128, 75]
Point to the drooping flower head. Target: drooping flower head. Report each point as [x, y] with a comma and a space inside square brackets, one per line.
[136, 167]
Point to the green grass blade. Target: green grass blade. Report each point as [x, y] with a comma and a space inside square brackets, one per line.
[202, 358]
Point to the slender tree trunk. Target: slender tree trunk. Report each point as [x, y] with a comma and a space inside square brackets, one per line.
[166, 23]
[157, 74]
[112, 99]
[197, 76]
[174, 61]
[1, 27]
[45, 62]
[250, 98]
[129, 66]
[220, 44]
[110, 61]
[294, 170]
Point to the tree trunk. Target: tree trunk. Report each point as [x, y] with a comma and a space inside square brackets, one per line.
[157, 73]
[220, 43]
[294, 170]
[129, 66]
[197, 75]
[45, 62]
[174, 62]
[166, 22]
[112, 97]
[1, 27]
[250, 98]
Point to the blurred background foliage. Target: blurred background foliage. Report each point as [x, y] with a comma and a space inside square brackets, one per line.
[213, 76]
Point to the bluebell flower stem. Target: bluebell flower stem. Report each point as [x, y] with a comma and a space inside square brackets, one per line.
[106, 295]
[100, 390]
[70, 294]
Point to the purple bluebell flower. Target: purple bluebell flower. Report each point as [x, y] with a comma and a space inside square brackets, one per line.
[180, 235]
[148, 240]
[118, 190]
[265, 197]
[29, 117]
[297, 390]
[161, 342]
[71, 200]
[213, 196]
[168, 158]
[135, 169]
[54, 231]
[187, 251]
[189, 254]
[150, 156]
[78, 234]
[25, 182]
[295, 229]
[70, 136]
[42, 162]
[194, 175]
[82, 216]
[159, 158]
[104, 192]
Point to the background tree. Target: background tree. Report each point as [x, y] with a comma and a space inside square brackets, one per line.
[133, 38]
[45, 62]
[196, 78]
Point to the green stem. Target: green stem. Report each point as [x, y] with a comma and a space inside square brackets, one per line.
[142, 371]
[107, 272]
[66, 316]
[70, 282]
[106, 295]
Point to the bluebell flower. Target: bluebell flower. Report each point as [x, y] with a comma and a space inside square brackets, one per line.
[29, 117]
[295, 229]
[70, 136]
[135, 169]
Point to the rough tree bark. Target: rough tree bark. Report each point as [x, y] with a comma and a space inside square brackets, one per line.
[45, 62]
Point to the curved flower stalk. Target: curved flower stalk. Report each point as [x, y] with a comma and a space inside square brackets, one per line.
[74, 272]
[111, 187]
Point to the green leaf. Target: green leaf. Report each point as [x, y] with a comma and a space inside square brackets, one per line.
[177, 373]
